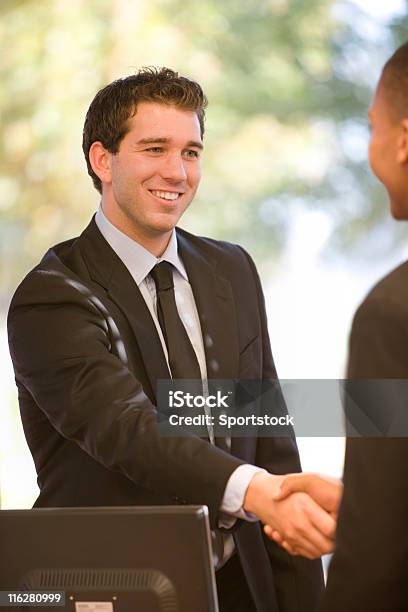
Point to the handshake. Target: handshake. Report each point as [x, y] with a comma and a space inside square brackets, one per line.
[299, 511]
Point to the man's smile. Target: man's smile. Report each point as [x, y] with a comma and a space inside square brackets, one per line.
[166, 195]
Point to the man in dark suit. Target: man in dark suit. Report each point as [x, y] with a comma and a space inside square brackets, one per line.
[131, 301]
[369, 565]
[368, 571]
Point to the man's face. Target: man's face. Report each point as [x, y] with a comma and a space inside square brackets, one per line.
[386, 154]
[156, 172]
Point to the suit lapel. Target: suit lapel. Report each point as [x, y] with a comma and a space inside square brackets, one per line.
[215, 305]
[107, 269]
[212, 294]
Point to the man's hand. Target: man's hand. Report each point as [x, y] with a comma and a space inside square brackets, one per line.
[325, 490]
[306, 529]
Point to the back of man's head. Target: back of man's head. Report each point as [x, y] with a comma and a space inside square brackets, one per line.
[107, 117]
[394, 83]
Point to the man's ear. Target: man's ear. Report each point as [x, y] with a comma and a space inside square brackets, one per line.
[100, 160]
[402, 152]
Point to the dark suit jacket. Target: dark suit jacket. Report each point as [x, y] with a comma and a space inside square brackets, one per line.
[87, 357]
[368, 572]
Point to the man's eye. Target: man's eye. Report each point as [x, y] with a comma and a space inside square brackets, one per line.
[155, 149]
[191, 153]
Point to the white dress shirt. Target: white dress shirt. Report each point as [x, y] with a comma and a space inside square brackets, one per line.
[140, 262]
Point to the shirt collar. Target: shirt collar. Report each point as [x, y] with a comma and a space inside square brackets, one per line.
[138, 260]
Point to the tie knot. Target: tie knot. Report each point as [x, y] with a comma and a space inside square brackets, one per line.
[162, 275]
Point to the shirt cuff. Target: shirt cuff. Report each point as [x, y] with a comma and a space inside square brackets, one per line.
[231, 506]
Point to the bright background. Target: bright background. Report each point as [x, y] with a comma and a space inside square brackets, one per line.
[285, 171]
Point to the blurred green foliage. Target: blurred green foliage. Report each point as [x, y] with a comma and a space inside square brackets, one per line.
[289, 82]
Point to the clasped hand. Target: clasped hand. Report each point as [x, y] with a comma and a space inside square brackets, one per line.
[299, 511]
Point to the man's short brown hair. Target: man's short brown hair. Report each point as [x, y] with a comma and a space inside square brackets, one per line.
[394, 82]
[107, 117]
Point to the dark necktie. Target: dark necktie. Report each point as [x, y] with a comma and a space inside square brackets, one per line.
[182, 358]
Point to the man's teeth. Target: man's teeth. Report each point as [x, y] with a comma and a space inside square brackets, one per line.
[166, 195]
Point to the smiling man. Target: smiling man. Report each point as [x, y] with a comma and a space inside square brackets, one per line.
[151, 180]
[131, 301]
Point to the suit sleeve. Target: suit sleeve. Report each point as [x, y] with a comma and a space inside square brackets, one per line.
[367, 572]
[61, 351]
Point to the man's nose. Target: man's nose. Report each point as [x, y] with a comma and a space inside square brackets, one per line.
[173, 168]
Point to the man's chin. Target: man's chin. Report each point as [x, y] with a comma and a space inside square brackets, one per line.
[399, 209]
[166, 222]
[161, 229]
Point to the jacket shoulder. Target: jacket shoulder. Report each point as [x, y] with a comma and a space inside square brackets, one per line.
[385, 309]
[218, 250]
[54, 273]
[394, 285]
[391, 290]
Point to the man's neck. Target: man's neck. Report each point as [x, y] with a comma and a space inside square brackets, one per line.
[155, 243]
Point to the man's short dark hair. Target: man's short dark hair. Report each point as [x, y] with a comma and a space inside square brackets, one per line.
[394, 82]
[107, 117]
